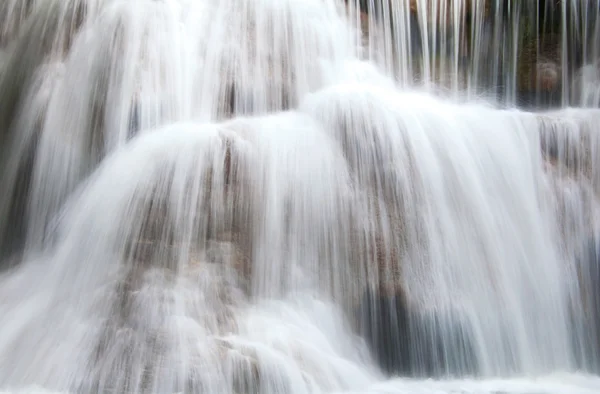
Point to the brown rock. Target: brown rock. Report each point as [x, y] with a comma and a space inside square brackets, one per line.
[380, 249]
[218, 216]
[229, 251]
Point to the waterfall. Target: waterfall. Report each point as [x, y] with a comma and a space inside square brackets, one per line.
[299, 196]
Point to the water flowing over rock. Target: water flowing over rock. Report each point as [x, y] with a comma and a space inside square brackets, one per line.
[299, 196]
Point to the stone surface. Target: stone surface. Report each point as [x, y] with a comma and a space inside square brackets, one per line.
[409, 342]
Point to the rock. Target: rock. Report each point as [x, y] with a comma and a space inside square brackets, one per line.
[539, 74]
[586, 315]
[220, 206]
[547, 75]
[385, 324]
[543, 62]
[378, 247]
[408, 342]
[134, 123]
[228, 251]
[570, 142]
[540, 81]
[258, 87]
[241, 367]
[225, 251]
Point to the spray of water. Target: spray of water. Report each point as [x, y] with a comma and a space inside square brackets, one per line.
[251, 197]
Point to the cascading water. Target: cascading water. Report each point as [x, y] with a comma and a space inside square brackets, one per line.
[260, 196]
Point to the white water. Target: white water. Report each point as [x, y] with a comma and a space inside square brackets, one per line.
[276, 174]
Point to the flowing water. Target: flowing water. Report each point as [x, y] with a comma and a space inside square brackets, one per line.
[198, 196]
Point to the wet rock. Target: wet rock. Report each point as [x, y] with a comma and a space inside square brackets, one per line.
[589, 277]
[586, 310]
[215, 212]
[263, 83]
[241, 366]
[571, 143]
[540, 85]
[547, 75]
[247, 370]
[409, 342]
[544, 64]
[377, 248]
[385, 324]
[134, 123]
[224, 251]
[539, 76]
[228, 251]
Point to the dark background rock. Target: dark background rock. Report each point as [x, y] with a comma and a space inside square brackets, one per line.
[409, 342]
[541, 28]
